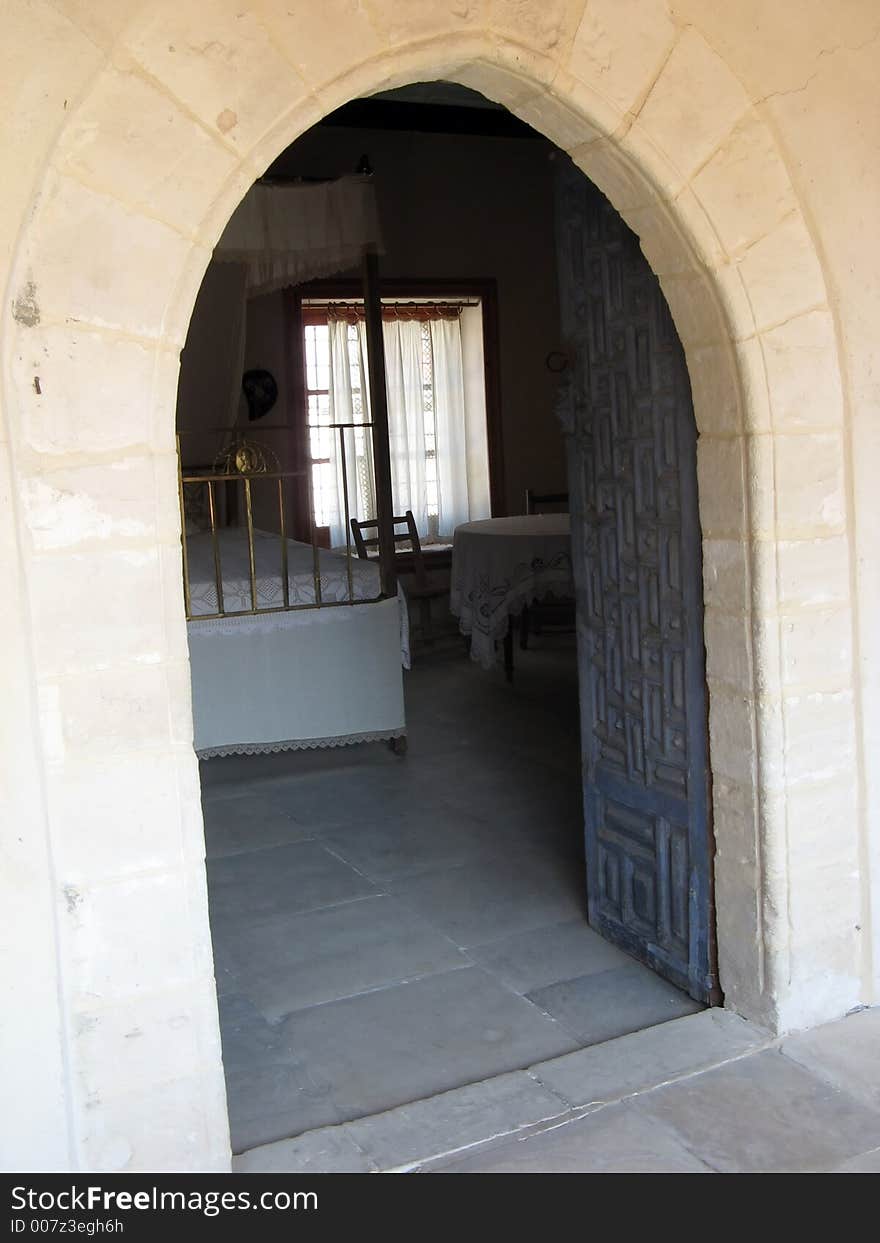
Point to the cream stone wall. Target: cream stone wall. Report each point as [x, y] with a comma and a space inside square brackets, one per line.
[740, 141]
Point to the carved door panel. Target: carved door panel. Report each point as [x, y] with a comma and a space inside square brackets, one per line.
[638, 567]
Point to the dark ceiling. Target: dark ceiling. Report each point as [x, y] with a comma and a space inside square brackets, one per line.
[431, 108]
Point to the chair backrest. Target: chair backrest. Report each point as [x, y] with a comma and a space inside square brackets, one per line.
[408, 536]
[538, 502]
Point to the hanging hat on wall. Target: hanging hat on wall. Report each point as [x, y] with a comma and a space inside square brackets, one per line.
[261, 392]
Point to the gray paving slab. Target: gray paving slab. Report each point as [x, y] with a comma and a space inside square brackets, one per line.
[248, 820]
[509, 895]
[290, 962]
[644, 1059]
[270, 1091]
[456, 1119]
[327, 1151]
[619, 1140]
[247, 1036]
[864, 1163]
[354, 797]
[846, 1053]
[531, 793]
[405, 845]
[543, 956]
[613, 1003]
[765, 1113]
[388, 1048]
[271, 1102]
[299, 877]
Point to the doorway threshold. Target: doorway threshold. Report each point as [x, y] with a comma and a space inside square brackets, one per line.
[430, 1132]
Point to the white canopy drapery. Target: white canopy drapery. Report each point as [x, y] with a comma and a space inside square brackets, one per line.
[291, 233]
[279, 235]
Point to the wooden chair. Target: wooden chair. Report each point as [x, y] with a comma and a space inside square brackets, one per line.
[532, 618]
[410, 564]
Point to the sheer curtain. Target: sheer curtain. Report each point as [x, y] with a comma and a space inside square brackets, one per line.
[449, 422]
[406, 418]
[431, 437]
[349, 451]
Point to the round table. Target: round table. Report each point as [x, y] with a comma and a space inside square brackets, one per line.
[500, 565]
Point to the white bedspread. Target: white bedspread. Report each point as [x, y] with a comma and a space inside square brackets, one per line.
[333, 573]
[299, 678]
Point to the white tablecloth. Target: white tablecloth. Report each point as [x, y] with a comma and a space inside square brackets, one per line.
[499, 565]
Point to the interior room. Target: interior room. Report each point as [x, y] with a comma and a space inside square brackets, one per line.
[394, 734]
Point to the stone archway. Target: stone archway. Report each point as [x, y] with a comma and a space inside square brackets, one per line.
[184, 113]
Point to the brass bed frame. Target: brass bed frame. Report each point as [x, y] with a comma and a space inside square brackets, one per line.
[246, 462]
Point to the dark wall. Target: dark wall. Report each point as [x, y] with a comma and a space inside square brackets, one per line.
[451, 206]
[461, 206]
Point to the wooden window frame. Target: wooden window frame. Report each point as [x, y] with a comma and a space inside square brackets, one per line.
[445, 289]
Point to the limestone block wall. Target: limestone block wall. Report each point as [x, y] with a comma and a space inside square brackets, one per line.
[740, 142]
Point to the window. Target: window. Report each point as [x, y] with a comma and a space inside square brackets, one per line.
[324, 440]
[436, 385]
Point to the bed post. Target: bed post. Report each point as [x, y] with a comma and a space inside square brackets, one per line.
[379, 415]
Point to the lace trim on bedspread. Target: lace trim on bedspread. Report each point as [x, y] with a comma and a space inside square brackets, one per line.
[299, 744]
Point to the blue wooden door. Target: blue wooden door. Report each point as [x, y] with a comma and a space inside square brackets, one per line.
[636, 544]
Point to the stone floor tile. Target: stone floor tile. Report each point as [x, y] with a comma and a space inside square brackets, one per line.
[247, 1037]
[511, 894]
[270, 1091]
[291, 962]
[299, 877]
[535, 795]
[613, 1003]
[543, 956]
[864, 1163]
[271, 1102]
[351, 798]
[607, 1072]
[327, 1151]
[247, 821]
[617, 1140]
[451, 1120]
[398, 845]
[765, 1113]
[390, 1047]
[846, 1053]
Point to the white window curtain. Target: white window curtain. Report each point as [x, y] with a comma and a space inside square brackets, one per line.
[458, 441]
[406, 418]
[349, 403]
[449, 421]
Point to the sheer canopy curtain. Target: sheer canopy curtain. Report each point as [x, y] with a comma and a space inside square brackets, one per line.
[437, 427]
